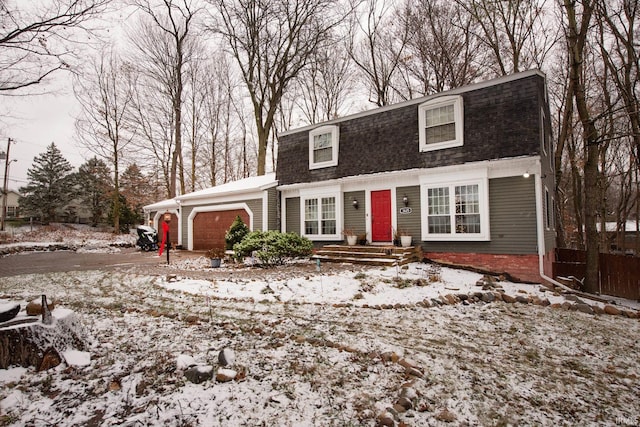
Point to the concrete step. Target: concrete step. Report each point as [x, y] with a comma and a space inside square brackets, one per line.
[369, 255]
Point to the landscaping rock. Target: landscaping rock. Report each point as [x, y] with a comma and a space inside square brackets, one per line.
[226, 357]
[199, 374]
[609, 309]
[508, 298]
[584, 308]
[225, 375]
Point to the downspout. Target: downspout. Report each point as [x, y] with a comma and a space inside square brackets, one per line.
[541, 226]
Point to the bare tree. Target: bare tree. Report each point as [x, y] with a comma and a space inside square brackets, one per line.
[514, 31]
[272, 42]
[442, 52]
[35, 38]
[576, 37]
[165, 41]
[152, 117]
[105, 92]
[617, 25]
[379, 52]
[322, 89]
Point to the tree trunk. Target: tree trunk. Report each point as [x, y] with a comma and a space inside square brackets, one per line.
[26, 341]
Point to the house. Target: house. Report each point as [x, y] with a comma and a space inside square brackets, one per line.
[468, 173]
[203, 217]
[12, 204]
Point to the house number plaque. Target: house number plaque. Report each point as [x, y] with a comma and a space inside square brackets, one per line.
[405, 211]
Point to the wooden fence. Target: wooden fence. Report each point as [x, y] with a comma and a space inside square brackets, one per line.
[619, 274]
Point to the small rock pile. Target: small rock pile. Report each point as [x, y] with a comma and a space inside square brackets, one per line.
[199, 372]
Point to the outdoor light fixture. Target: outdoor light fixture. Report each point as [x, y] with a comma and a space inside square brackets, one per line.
[405, 200]
[167, 217]
[355, 203]
[526, 174]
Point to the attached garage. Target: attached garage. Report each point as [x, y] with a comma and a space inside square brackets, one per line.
[209, 228]
[207, 214]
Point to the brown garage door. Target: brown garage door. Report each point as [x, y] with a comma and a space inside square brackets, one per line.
[209, 228]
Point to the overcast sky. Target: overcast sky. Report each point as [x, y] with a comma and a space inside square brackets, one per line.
[34, 122]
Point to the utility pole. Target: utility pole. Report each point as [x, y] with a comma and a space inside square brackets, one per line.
[5, 190]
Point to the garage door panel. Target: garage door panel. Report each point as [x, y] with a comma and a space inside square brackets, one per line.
[209, 228]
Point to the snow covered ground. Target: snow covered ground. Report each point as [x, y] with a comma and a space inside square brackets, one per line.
[342, 346]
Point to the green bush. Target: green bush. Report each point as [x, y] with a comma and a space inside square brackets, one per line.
[236, 232]
[273, 247]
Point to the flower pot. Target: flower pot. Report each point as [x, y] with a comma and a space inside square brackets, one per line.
[405, 241]
[215, 262]
[352, 240]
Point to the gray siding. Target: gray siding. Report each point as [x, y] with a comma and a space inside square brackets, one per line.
[293, 215]
[354, 219]
[273, 206]
[512, 211]
[409, 222]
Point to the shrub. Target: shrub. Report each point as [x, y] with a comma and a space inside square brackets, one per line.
[273, 247]
[236, 232]
[214, 253]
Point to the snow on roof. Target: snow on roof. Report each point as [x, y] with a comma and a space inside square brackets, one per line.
[246, 185]
[163, 204]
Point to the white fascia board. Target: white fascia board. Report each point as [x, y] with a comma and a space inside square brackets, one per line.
[225, 198]
[500, 168]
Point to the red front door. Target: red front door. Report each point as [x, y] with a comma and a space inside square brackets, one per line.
[381, 216]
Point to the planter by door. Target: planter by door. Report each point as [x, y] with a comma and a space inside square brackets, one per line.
[405, 241]
[352, 240]
[215, 262]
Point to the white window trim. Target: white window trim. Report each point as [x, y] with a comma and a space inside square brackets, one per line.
[549, 212]
[335, 138]
[458, 112]
[479, 179]
[322, 237]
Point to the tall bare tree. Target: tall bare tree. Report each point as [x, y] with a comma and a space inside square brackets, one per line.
[165, 40]
[322, 90]
[376, 44]
[272, 42]
[106, 93]
[36, 38]
[577, 33]
[515, 31]
[442, 52]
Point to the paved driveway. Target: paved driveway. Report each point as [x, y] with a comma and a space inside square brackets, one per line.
[56, 261]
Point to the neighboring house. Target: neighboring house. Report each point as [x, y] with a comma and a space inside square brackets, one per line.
[621, 238]
[13, 207]
[206, 215]
[468, 173]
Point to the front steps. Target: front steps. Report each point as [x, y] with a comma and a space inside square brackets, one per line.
[370, 255]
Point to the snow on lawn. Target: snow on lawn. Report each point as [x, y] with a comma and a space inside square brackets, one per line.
[330, 348]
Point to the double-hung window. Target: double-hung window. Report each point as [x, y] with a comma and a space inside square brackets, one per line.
[323, 147]
[320, 216]
[456, 211]
[441, 123]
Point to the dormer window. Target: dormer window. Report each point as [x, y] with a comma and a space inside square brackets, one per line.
[323, 147]
[441, 123]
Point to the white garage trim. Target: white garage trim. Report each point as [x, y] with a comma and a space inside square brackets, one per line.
[217, 208]
[158, 217]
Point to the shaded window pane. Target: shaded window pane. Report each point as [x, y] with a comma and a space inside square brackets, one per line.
[439, 224]
[322, 148]
[467, 209]
[440, 125]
